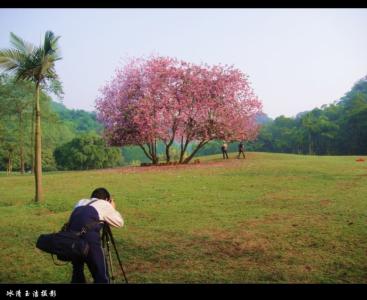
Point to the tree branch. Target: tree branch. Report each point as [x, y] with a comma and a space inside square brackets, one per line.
[145, 151]
[201, 145]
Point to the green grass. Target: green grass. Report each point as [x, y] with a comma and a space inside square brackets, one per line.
[270, 218]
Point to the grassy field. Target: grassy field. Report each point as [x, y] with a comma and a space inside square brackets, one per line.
[270, 218]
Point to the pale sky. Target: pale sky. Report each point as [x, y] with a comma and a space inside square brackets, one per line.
[297, 59]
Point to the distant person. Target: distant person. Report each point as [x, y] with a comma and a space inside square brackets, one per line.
[224, 150]
[241, 149]
[98, 209]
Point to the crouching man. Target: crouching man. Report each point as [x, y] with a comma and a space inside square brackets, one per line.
[99, 208]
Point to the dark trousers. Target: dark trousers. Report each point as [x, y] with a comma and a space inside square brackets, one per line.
[96, 264]
[225, 154]
[243, 153]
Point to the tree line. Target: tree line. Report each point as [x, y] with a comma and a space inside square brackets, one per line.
[339, 128]
[17, 127]
[336, 129]
[71, 138]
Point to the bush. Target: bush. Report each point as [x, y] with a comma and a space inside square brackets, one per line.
[87, 152]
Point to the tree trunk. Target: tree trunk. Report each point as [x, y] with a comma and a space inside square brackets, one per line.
[155, 161]
[21, 143]
[201, 145]
[145, 152]
[183, 149]
[154, 152]
[10, 163]
[168, 156]
[38, 149]
[32, 137]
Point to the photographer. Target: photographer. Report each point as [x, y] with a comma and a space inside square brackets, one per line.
[96, 210]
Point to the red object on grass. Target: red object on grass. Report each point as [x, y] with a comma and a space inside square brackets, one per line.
[360, 159]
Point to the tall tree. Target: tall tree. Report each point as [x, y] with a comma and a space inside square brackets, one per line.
[17, 97]
[163, 99]
[36, 64]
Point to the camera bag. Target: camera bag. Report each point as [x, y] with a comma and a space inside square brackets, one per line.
[66, 244]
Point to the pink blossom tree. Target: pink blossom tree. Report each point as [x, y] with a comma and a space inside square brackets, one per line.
[164, 99]
[130, 108]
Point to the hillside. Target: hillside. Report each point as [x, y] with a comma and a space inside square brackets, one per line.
[81, 120]
[339, 128]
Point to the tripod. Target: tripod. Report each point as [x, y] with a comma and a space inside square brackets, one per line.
[107, 237]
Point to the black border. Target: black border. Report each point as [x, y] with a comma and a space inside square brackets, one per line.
[105, 291]
[183, 4]
[64, 291]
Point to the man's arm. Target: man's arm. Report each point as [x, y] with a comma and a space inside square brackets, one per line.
[111, 215]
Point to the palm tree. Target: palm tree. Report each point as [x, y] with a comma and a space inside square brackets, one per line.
[36, 64]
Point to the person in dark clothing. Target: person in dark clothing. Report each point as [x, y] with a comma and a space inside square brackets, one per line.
[99, 208]
[224, 150]
[241, 149]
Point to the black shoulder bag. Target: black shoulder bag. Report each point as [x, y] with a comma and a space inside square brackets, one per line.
[67, 245]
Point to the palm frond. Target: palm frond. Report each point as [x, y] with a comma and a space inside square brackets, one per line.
[55, 86]
[25, 74]
[29, 62]
[20, 44]
[10, 59]
[54, 44]
[50, 43]
[51, 74]
[15, 55]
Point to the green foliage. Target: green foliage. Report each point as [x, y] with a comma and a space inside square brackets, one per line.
[135, 163]
[339, 128]
[132, 154]
[81, 121]
[31, 63]
[48, 160]
[59, 124]
[15, 111]
[16, 133]
[87, 152]
[214, 147]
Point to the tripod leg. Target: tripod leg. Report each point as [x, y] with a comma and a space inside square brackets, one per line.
[117, 254]
[110, 262]
[107, 253]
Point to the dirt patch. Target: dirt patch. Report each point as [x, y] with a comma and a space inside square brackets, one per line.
[155, 265]
[140, 267]
[191, 166]
[346, 186]
[268, 219]
[325, 202]
[230, 244]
